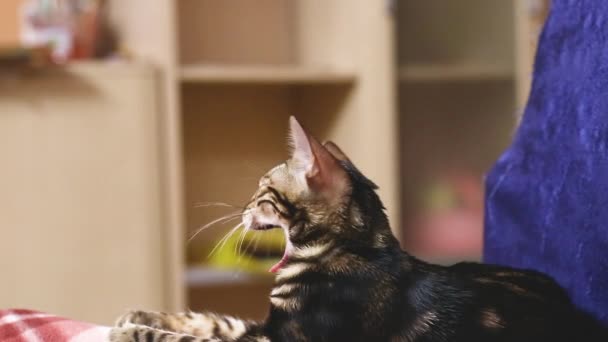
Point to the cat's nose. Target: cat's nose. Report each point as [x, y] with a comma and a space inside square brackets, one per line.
[253, 223]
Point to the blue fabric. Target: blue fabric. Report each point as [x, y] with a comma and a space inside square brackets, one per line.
[547, 195]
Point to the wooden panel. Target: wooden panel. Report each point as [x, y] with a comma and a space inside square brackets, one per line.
[146, 29]
[236, 31]
[326, 32]
[80, 207]
[152, 37]
[529, 18]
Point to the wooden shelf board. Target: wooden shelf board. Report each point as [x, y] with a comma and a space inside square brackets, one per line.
[197, 276]
[279, 74]
[454, 72]
[92, 69]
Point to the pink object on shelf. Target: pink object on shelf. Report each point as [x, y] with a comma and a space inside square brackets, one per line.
[451, 225]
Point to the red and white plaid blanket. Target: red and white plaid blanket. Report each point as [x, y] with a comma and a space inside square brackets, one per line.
[17, 325]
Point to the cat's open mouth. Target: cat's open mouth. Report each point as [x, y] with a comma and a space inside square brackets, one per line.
[288, 250]
[276, 267]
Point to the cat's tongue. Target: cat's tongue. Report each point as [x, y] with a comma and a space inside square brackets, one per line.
[276, 267]
[288, 249]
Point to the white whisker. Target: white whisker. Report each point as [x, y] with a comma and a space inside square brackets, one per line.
[240, 247]
[250, 242]
[225, 218]
[214, 204]
[257, 242]
[223, 241]
[238, 241]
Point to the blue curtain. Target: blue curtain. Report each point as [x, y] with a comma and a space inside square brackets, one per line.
[547, 195]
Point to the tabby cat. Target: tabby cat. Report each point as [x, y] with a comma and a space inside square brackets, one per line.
[343, 276]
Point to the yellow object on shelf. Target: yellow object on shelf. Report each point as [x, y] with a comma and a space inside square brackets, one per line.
[252, 251]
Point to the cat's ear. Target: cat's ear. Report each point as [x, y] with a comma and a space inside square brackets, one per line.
[320, 168]
[301, 153]
[336, 151]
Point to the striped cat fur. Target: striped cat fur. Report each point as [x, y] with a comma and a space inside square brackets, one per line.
[344, 276]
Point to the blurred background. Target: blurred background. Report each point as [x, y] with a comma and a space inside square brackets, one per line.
[126, 126]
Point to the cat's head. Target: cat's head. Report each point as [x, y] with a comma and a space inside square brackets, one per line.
[317, 197]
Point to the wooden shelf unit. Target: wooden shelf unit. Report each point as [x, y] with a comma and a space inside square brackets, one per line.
[128, 149]
[235, 70]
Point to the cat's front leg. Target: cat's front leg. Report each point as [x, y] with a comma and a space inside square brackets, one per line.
[156, 320]
[202, 325]
[129, 332]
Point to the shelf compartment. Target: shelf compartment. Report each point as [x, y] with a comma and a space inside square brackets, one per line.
[450, 136]
[235, 31]
[454, 72]
[467, 30]
[265, 74]
[246, 297]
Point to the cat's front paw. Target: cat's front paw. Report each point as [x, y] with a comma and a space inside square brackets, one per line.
[156, 320]
[130, 332]
[124, 333]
